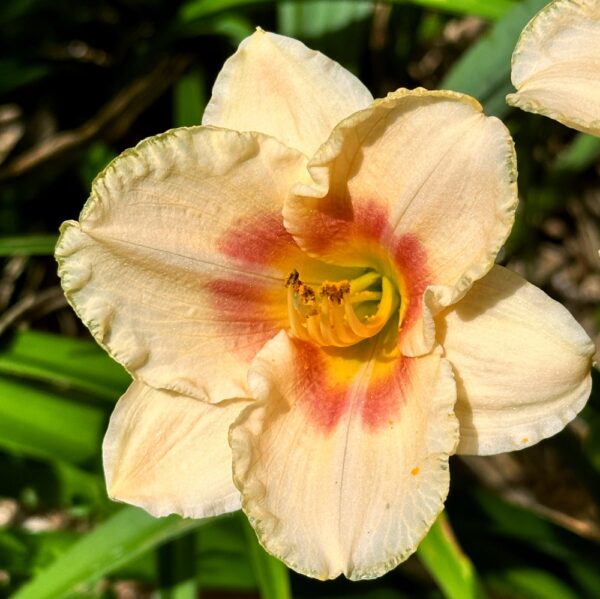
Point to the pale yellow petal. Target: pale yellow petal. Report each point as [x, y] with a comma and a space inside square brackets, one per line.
[421, 186]
[178, 262]
[556, 65]
[522, 364]
[168, 453]
[343, 466]
[276, 85]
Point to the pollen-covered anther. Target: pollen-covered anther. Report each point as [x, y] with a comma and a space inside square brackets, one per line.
[307, 294]
[343, 312]
[335, 292]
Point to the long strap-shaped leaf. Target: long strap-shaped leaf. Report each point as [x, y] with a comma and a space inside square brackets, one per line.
[484, 70]
[28, 245]
[448, 565]
[271, 574]
[124, 536]
[42, 423]
[200, 9]
[73, 364]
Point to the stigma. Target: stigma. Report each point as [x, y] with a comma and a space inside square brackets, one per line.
[340, 313]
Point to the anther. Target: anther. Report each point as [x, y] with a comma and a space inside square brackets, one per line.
[335, 291]
[293, 278]
[329, 317]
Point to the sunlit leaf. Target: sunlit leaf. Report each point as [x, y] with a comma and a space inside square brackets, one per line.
[447, 564]
[42, 423]
[326, 26]
[126, 535]
[272, 575]
[487, 9]
[315, 18]
[72, 364]
[198, 9]
[232, 26]
[28, 245]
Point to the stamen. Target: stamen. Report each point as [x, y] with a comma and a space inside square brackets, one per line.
[328, 317]
[335, 291]
[292, 278]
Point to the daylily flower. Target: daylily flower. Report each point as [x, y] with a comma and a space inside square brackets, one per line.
[313, 271]
[556, 64]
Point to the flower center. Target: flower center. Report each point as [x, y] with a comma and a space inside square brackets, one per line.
[340, 313]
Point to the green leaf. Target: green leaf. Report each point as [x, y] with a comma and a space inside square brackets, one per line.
[51, 484]
[484, 70]
[447, 564]
[326, 27]
[530, 583]
[273, 577]
[125, 536]
[234, 27]
[95, 159]
[200, 9]
[586, 575]
[583, 151]
[76, 485]
[42, 423]
[28, 245]
[189, 99]
[73, 364]
[14, 553]
[509, 527]
[15, 73]
[223, 560]
[316, 18]
[482, 8]
[177, 565]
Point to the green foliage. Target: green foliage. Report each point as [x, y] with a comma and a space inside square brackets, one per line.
[482, 8]
[124, 536]
[272, 576]
[69, 364]
[447, 564]
[42, 423]
[189, 99]
[583, 151]
[28, 245]
[484, 70]
[89, 80]
[317, 18]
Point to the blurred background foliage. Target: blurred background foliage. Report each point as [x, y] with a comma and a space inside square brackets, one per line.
[82, 81]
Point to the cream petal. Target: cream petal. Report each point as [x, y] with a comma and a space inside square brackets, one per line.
[168, 453]
[522, 364]
[421, 185]
[276, 85]
[343, 466]
[556, 65]
[179, 260]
